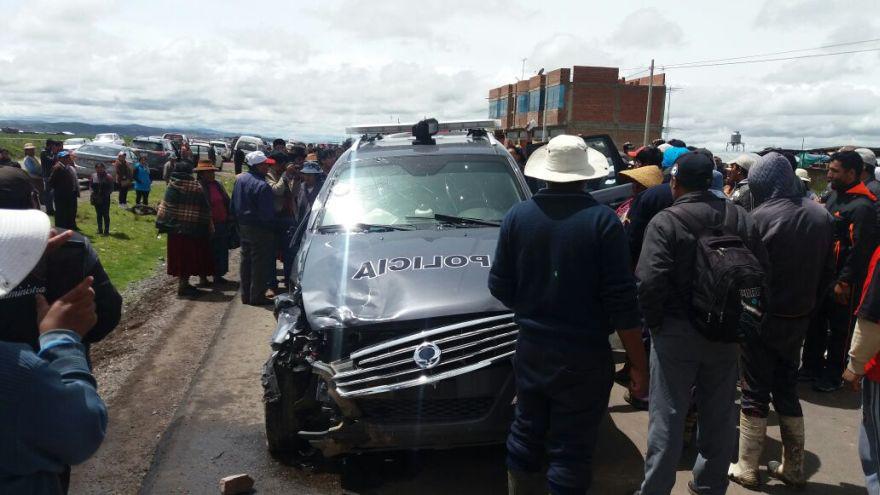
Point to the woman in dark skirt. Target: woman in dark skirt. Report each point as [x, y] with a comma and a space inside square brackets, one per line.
[184, 214]
[221, 218]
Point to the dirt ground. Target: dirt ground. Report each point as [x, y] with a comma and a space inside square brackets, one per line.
[182, 382]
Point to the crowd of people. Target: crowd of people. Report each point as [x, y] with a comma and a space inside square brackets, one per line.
[702, 274]
[268, 203]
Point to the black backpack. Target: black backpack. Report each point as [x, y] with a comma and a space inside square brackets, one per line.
[729, 284]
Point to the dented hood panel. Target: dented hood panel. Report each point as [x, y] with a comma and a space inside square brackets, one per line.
[368, 278]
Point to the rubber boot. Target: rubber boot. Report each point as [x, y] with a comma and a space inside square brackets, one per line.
[791, 470]
[526, 483]
[752, 432]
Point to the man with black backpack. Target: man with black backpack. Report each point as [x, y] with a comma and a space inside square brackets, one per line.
[701, 272]
[796, 232]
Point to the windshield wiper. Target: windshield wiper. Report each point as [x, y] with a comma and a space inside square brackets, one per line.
[362, 227]
[465, 220]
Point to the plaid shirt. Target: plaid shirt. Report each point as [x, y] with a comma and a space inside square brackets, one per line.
[184, 209]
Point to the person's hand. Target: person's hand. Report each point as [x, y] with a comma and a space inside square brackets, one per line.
[73, 311]
[854, 380]
[841, 293]
[56, 239]
[638, 382]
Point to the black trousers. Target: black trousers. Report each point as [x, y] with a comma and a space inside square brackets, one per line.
[829, 332]
[65, 210]
[102, 211]
[123, 195]
[562, 395]
[769, 367]
[141, 196]
[257, 255]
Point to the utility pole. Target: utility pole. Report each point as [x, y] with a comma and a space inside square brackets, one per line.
[522, 74]
[669, 90]
[648, 111]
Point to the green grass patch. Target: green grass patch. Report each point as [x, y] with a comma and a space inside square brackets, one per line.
[15, 142]
[133, 248]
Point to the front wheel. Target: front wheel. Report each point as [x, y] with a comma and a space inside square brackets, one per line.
[284, 410]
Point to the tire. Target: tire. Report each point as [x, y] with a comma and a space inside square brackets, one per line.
[283, 417]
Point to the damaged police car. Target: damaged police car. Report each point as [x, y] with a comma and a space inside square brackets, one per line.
[389, 338]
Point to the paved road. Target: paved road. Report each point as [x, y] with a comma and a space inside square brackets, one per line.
[210, 424]
[219, 431]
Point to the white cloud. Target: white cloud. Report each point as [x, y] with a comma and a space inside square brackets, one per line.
[648, 27]
[284, 68]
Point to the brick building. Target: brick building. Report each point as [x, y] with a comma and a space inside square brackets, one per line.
[580, 100]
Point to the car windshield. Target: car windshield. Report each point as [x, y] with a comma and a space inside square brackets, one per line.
[97, 149]
[105, 137]
[419, 189]
[244, 146]
[147, 145]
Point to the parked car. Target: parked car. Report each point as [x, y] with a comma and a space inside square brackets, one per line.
[109, 137]
[249, 143]
[222, 149]
[73, 144]
[99, 152]
[158, 151]
[202, 151]
[176, 138]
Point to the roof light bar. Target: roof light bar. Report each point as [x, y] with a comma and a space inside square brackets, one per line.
[384, 129]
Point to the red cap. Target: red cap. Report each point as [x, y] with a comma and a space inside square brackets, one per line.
[632, 154]
[270, 161]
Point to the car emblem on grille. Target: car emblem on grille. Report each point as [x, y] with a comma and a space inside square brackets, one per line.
[427, 355]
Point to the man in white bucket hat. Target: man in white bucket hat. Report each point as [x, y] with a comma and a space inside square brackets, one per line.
[50, 410]
[562, 265]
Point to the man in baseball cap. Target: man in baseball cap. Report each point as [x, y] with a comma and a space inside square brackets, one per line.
[566, 302]
[254, 208]
[738, 180]
[56, 418]
[869, 159]
[681, 356]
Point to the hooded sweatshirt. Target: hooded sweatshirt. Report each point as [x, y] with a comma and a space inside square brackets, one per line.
[801, 271]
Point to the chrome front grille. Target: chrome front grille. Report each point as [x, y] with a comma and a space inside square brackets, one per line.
[391, 365]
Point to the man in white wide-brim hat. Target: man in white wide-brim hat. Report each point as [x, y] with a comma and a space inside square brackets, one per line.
[52, 416]
[562, 265]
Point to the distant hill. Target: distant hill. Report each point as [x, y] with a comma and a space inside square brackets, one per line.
[84, 129]
[81, 128]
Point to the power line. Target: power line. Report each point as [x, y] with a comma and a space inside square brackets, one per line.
[763, 54]
[815, 55]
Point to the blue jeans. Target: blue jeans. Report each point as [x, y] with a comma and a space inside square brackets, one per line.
[681, 359]
[561, 397]
[869, 435]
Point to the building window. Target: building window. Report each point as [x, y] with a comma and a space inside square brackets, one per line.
[536, 100]
[555, 97]
[502, 109]
[522, 103]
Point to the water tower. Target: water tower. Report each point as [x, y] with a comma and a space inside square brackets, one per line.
[736, 142]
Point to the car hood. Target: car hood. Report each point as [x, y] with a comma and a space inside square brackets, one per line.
[363, 279]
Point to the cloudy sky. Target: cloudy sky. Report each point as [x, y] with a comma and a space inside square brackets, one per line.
[300, 68]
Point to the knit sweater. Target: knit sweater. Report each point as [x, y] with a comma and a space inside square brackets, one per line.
[562, 265]
[50, 413]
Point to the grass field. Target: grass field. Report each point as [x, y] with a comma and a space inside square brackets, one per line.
[15, 142]
[133, 249]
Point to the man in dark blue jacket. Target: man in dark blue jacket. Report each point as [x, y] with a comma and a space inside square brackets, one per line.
[562, 266]
[254, 209]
